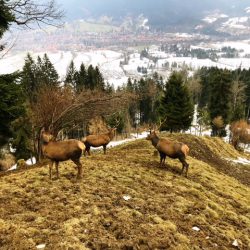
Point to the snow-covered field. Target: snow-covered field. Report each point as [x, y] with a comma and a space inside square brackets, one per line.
[109, 61]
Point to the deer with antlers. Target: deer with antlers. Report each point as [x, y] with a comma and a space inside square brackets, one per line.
[169, 148]
[99, 140]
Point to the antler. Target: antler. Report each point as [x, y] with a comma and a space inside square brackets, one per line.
[117, 122]
[161, 123]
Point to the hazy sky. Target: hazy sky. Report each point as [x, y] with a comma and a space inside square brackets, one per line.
[85, 8]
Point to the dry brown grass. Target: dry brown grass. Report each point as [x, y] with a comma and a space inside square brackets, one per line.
[7, 161]
[92, 213]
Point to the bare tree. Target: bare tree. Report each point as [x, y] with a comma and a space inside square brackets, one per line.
[194, 86]
[28, 12]
[59, 108]
[238, 92]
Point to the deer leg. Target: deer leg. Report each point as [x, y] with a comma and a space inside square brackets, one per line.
[57, 170]
[79, 167]
[184, 165]
[88, 150]
[104, 148]
[162, 159]
[50, 169]
[187, 165]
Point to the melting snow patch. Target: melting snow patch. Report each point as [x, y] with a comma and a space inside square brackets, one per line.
[235, 243]
[196, 229]
[240, 160]
[126, 197]
[40, 246]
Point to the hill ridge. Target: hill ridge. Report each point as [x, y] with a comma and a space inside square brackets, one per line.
[159, 212]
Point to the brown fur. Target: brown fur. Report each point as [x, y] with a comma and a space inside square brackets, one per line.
[169, 148]
[98, 140]
[58, 151]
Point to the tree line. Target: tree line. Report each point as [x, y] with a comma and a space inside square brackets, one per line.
[35, 98]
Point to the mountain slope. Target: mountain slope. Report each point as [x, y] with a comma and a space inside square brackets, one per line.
[160, 13]
[125, 201]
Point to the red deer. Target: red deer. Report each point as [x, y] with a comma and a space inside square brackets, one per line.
[58, 151]
[98, 140]
[169, 148]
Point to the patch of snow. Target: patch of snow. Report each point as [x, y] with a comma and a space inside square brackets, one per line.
[240, 160]
[247, 10]
[12, 168]
[31, 161]
[126, 197]
[184, 35]
[236, 22]
[197, 229]
[214, 17]
[41, 246]
[28, 162]
[134, 137]
[235, 243]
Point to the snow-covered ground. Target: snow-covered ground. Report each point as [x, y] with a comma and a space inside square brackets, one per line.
[109, 61]
[28, 162]
[240, 160]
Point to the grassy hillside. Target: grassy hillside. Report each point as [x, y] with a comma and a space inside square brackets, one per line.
[161, 209]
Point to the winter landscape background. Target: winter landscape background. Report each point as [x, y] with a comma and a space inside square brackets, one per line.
[112, 35]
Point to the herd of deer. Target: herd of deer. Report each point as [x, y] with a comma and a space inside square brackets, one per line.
[57, 151]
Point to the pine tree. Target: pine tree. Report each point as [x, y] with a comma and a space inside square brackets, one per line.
[6, 17]
[99, 81]
[204, 76]
[71, 76]
[81, 82]
[91, 83]
[11, 104]
[109, 88]
[21, 137]
[29, 77]
[50, 75]
[220, 99]
[176, 105]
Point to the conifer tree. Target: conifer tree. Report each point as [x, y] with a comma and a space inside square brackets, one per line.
[221, 98]
[11, 104]
[99, 81]
[21, 137]
[6, 17]
[71, 76]
[81, 82]
[91, 83]
[109, 88]
[29, 77]
[50, 75]
[176, 105]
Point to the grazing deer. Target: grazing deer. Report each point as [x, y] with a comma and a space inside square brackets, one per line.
[58, 151]
[98, 140]
[169, 148]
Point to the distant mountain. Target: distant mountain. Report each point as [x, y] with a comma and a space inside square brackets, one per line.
[161, 14]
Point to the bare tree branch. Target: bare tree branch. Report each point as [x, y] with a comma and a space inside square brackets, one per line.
[58, 108]
[27, 12]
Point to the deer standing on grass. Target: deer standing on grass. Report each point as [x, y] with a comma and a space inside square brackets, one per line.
[98, 140]
[58, 151]
[169, 148]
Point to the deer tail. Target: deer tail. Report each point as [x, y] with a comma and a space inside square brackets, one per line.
[185, 149]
